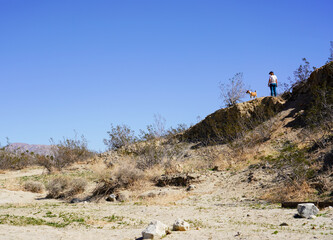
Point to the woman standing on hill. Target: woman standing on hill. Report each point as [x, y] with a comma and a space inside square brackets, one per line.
[272, 83]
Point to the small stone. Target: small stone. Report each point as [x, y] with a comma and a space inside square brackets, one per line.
[111, 198]
[307, 210]
[284, 224]
[181, 225]
[191, 188]
[75, 200]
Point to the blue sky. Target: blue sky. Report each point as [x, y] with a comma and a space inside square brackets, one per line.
[81, 65]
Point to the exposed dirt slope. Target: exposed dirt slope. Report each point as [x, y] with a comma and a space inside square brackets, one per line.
[223, 125]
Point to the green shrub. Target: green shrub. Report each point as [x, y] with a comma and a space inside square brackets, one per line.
[119, 136]
[292, 163]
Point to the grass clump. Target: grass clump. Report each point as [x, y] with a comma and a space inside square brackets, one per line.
[24, 221]
[33, 186]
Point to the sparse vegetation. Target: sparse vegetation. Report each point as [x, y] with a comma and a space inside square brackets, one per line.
[119, 136]
[116, 179]
[156, 130]
[330, 58]
[303, 72]
[63, 187]
[15, 159]
[233, 91]
[33, 186]
[63, 154]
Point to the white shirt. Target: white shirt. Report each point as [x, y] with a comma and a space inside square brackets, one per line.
[272, 79]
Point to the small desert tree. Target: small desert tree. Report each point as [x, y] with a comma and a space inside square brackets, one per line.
[155, 130]
[330, 58]
[233, 91]
[119, 136]
[303, 72]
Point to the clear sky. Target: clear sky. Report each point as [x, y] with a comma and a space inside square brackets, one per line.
[81, 65]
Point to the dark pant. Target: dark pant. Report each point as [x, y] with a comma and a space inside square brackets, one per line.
[273, 89]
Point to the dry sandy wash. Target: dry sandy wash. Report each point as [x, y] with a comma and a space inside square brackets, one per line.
[222, 206]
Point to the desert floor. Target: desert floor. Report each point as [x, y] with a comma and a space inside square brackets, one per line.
[222, 206]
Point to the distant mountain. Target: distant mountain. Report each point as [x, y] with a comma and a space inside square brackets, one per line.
[35, 148]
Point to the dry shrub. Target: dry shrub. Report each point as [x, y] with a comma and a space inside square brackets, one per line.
[172, 167]
[65, 153]
[294, 191]
[323, 183]
[57, 187]
[62, 187]
[123, 177]
[214, 156]
[15, 159]
[159, 153]
[33, 186]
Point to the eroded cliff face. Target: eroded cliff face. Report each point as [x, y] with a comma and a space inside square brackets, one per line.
[225, 124]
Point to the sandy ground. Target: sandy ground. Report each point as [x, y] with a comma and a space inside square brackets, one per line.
[222, 206]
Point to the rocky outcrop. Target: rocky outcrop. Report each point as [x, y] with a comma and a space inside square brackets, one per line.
[224, 124]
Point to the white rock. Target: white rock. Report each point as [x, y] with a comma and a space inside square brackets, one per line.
[111, 198]
[181, 225]
[307, 210]
[155, 229]
[191, 188]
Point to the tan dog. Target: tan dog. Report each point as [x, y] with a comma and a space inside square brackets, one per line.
[252, 94]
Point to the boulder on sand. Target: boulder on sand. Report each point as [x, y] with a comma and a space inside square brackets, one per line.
[155, 229]
[307, 210]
